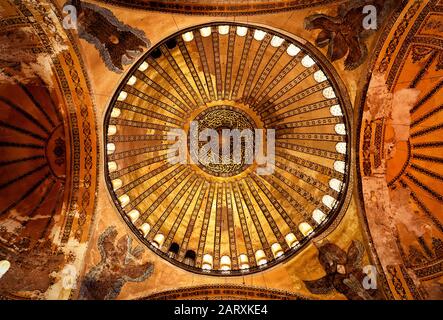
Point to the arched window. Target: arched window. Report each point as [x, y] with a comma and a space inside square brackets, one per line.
[158, 240]
[188, 36]
[124, 200]
[341, 147]
[112, 130]
[340, 166]
[329, 93]
[329, 201]
[208, 262]
[320, 76]
[145, 228]
[244, 261]
[116, 112]
[277, 41]
[305, 228]
[205, 32]
[318, 216]
[307, 61]
[122, 96]
[335, 184]
[134, 215]
[223, 30]
[143, 67]
[110, 148]
[260, 257]
[112, 166]
[132, 80]
[171, 43]
[225, 263]
[336, 111]
[259, 35]
[156, 54]
[293, 50]
[173, 250]
[116, 184]
[340, 129]
[277, 250]
[4, 267]
[242, 31]
[190, 258]
[291, 240]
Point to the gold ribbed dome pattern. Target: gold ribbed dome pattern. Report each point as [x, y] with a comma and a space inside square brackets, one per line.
[228, 220]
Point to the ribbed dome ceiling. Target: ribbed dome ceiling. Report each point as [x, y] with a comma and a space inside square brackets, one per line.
[228, 220]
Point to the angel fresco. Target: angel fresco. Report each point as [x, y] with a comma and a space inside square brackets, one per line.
[119, 264]
[118, 43]
[345, 33]
[344, 272]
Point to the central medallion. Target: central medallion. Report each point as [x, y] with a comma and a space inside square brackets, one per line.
[224, 120]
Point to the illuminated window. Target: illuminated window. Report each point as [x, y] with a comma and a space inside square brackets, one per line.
[320, 76]
[223, 30]
[143, 66]
[112, 130]
[293, 50]
[116, 184]
[205, 32]
[188, 36]
[134, 215]
[307, 61]
[145, 228]
[242, 31]
[225, 263]
[124, 200]
[329, 201]
[277, 250]
[341, 147]
[260, 257]
[259, 35]
[329, 93]
[277, 41]
[132, 80]
[158, 240]
[112, 166]
[291, 240]
[318, 216]
[115, 113]
[336, 111]
[207, 262]
[340, 129]
[122, 96]
[335, 184]
[244, 261]
[339, 166]
[110, 148]
[305, 228]
[4, 267]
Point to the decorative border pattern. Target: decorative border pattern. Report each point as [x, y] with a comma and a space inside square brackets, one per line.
[221, 8]
[225, 292]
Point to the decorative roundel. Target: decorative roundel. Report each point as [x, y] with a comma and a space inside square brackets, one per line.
[228, 217]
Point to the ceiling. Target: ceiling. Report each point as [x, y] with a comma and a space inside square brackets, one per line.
[77, 156]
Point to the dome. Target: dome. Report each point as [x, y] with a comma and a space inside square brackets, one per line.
[205, 81]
